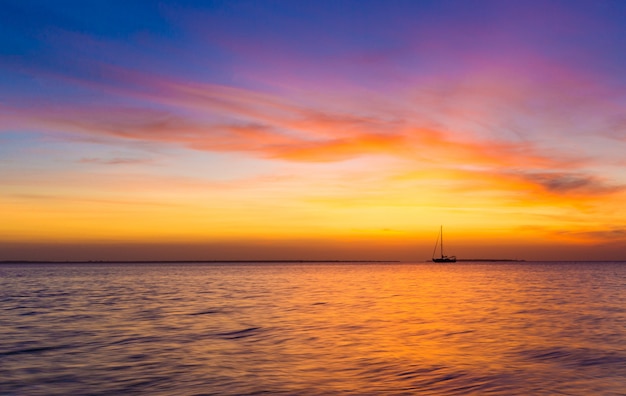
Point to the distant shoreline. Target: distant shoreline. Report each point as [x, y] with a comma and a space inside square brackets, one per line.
[493, 260]
[484, 260]
[187, 261]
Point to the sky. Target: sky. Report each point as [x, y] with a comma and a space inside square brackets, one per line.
[313, 130]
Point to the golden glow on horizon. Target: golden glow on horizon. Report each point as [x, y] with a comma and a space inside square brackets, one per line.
[474, 207]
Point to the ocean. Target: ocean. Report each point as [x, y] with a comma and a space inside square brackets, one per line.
[470, 328]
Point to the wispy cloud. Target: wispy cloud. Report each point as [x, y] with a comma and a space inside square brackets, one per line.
[114, 161]
[573, 183]
[596, 236]
[218, 118]
[225, 118]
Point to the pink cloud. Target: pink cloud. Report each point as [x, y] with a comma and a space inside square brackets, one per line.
[270, 126]
[459, 123]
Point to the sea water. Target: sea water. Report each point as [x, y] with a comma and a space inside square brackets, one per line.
[313, 329]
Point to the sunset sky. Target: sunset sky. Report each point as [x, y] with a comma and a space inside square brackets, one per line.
[162, 130]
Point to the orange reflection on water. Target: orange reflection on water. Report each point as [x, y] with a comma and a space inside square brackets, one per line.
[518, 328]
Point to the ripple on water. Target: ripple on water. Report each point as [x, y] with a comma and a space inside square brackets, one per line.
[577, 357]
[233, 335]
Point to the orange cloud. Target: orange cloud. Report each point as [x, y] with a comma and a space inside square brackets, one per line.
[219, 118]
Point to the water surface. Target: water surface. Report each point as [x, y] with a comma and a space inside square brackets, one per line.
[313, 329]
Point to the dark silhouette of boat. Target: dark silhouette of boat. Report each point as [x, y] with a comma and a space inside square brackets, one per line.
[442, 259]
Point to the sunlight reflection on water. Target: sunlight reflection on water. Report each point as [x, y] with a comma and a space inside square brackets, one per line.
[309, 329]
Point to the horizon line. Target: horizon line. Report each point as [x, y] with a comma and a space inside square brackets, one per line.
[2, 262]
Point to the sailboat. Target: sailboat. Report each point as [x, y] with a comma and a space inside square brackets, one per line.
[442, 259]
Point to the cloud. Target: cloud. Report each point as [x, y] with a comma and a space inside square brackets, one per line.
[114, 161]
[309, 136]
[457, 125]
[74, 200]
[572, 183]
[602, 236]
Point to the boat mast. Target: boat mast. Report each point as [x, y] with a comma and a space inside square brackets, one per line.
[436, 244]
[441, 233]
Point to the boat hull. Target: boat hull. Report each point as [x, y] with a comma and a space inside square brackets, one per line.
[444, 260]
